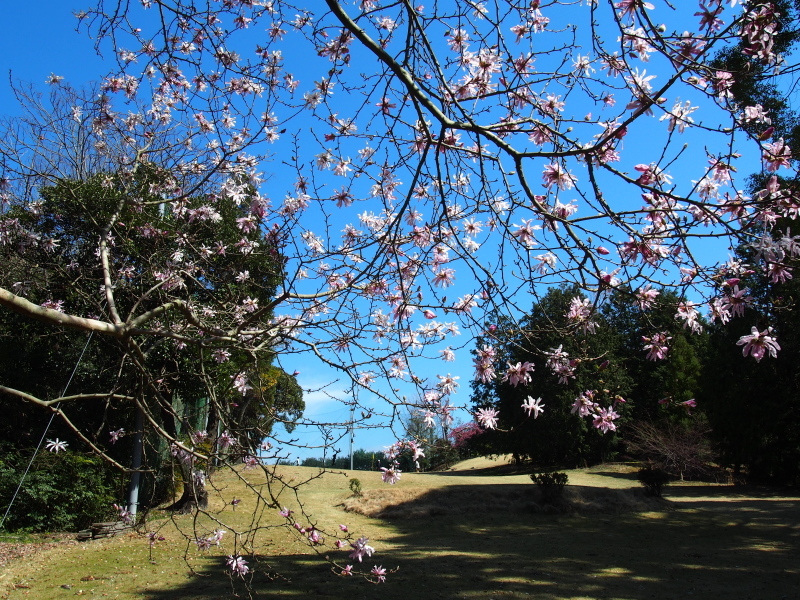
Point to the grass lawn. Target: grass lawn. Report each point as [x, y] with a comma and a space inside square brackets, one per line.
[475, 532]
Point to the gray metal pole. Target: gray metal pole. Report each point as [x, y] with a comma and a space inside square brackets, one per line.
[352, 428]
[136, 464]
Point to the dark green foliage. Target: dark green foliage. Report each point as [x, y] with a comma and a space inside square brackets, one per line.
[182, 389]
[653, 479]
[276, 397]
[557, 437]
[611, 363]
[551, 484]
[655, 384]
[439, 455]
[67, 491]
[754, 407]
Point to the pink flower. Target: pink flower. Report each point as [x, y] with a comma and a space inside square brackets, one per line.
[533, 406]
[226, 440]
[154, 537]
[444, 278]
[604, 420]
[554, 174]
[646, 296]
[385, 105]
[584, 404]
[314, 537]
[240, 383]
[221, 355]
[776, 155]
[487, 417]
[390, 475]
[237, 565]
[657, 346]
[379, 572]
[361, 549]
[54, 305]
[518, 373]
[580, 312]
[757, 344]
[123, 513]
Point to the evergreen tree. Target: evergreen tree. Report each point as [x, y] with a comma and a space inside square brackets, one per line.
[557, 437]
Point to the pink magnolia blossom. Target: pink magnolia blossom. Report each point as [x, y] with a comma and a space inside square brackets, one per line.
[604, 420]
[776, 155]
[554, 174]
[656, 346]
[584, 405]
[580, 313]
[379, 572]
[757, 344]
[390, 475]
[487, 417]
[533, 406]
[240, 383]
[361, 548]
[237, 565]
[519, 373]
[645, 297]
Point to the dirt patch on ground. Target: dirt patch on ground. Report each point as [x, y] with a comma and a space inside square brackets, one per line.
[10, 551]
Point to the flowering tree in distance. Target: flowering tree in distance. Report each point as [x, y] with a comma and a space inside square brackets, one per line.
[411, 168]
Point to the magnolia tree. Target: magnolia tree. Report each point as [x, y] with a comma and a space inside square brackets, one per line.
[362, 182]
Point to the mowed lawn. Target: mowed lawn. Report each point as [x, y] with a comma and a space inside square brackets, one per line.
[479, 531]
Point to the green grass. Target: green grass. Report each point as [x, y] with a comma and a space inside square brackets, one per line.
[472, 533]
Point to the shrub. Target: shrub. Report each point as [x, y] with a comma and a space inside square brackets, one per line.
[653, 479]
[551, 484]
[681, 449]
[355, 487]
[67, 491]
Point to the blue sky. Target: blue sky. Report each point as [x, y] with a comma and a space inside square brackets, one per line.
[37, 38]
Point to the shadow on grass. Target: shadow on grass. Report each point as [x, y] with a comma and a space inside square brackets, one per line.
[495, 471]
[627, 476]
[747, 549]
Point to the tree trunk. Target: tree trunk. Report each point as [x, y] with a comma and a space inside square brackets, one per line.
[194, 496]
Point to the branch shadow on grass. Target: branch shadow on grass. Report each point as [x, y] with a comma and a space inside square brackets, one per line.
[480, 549]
